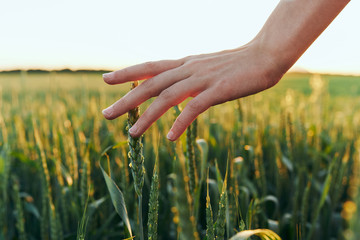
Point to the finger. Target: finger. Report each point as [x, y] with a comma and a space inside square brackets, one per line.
[148, 89]
[140, 71]
[167, 99]
[194, 108]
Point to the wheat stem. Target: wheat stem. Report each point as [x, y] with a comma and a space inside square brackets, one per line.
[153, 205]
[210, 235]
[137, 160]
[20, 220]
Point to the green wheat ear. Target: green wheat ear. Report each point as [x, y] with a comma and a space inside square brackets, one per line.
[191, 151]
[191, 160]
[305, 208]
[82, 225]
[20, 220]
[210, 235]
[221, 217]
[136, 147]
[154, 205]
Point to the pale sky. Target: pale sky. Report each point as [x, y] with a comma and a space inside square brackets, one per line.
[118, 33]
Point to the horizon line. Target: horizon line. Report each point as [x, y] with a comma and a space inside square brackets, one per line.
[294, 69]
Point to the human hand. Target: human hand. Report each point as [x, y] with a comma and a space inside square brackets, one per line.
[220, 77]
[210, 79]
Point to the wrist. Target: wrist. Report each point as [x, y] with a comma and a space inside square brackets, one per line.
[273, 64]
[282, 57]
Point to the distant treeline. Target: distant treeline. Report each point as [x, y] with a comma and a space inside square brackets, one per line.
[66, 70]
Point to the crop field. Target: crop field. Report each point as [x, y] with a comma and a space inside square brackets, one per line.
[284, 163]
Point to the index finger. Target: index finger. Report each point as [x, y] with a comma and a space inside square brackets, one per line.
[140, 71]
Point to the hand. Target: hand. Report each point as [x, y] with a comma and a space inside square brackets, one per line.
[210, 79]
[219, 77]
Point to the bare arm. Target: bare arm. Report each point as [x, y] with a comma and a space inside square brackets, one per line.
[216, 78]
[294, 25]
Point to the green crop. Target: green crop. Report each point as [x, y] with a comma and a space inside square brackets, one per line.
[282, 163]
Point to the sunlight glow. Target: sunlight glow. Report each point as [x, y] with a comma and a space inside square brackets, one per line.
[113, 34]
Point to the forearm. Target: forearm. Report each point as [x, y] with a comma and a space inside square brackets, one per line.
[293, 27]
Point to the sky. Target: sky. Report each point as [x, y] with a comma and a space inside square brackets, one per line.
[105, 34]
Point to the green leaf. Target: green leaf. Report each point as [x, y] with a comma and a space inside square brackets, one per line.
[4, 156]
[2, 165]
[120, 144]
[287, 162]
[106, 150]
[95, 205]
[117, 199]
[31, 208]
[264, 234]
[321, 202]
[250, 214]
[82, 225]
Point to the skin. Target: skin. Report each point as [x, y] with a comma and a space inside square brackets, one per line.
[212, 79]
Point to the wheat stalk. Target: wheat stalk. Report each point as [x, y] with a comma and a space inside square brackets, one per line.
[153, 205]
[85, 180]
[187, 224]
[210, 235]
[190, 160]
[5, 154]
[221, 216]
[305, 208]
[136, 160]
[232, 197]
[45, 185]
[54, 227]
[20, 220]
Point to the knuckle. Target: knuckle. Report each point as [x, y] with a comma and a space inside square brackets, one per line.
[121, 106]
[124, 101]
[188, 58]
[147, 82]
[181, 124]
[199, 66]
[150, 65]
[224, 90]
[148, 87]
[122, 74]
[195, 106]
[194, 62]
[166, 94]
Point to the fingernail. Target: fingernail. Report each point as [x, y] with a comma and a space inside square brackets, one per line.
[107, 76]
[171, 136]
[133, 130]
[108, 111]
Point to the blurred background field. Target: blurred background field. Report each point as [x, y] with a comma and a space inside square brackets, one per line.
[293, 151]
[338, 85]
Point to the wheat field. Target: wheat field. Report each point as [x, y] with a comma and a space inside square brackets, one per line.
[280, 164]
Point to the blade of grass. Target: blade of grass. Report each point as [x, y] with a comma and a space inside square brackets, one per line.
[117, 199]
